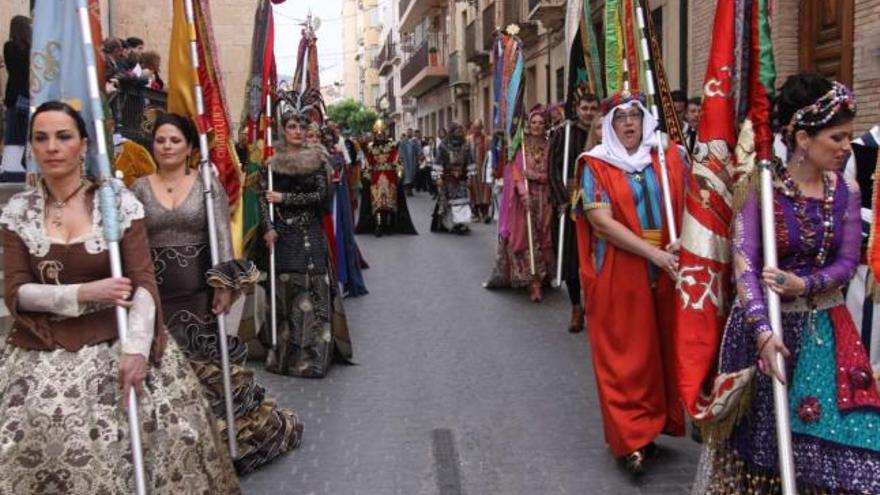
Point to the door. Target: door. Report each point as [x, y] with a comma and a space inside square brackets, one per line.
[826, 38]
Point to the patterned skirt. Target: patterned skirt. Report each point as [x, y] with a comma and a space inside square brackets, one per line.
[836, 449]
[312, 328]
[263, 431]
[63, 431]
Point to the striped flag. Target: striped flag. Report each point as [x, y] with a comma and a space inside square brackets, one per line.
[261, 81]
[741, 38]
[509, 81]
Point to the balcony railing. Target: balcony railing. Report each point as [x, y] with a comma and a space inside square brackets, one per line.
[134, 108]
[551, 13]
[426, 67]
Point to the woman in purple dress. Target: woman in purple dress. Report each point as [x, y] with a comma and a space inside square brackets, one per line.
[834, 402]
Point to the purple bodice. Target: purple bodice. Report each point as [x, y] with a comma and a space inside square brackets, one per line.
[798, 243]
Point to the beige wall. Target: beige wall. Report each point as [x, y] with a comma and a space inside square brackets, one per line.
[233, 29]
[866, 60]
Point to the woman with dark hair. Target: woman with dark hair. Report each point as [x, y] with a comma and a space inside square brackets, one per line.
[16, 55]
[64, 376]
[195, 293]
[834, 401]
[519, 201]
[312, 328]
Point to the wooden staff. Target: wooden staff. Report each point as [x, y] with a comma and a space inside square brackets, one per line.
[206, 171]
[112, 233]
[565, 165]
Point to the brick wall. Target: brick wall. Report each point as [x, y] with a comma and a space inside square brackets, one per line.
[866, 56]
[784, 32]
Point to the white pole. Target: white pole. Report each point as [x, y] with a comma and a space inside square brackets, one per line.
[206, 171]
[661, 153]
[112, 233]
[528, 209]
[565, 166]
[780, 392]
[272, 288]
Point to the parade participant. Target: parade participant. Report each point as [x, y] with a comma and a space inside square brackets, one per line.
[479, 185]
[519, 199]
[383, 210]
[63, 359]
[860, 296]
[312, 328]
[691, 122]
[586, 107]
[16, 58]
[679, 105]
[194, 293]
[834, 402]
[348, 256]
[410, 150]
[624, 265]
[453, 167]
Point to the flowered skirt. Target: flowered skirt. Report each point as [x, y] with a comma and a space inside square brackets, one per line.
[833, 409]
[62, 429]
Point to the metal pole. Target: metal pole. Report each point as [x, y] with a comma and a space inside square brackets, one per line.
[780, 391]
[272, 287]
[112, 233]
[565, 165]
[661, 153]
[206, 171]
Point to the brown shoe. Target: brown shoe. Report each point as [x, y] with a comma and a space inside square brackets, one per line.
[576, 324]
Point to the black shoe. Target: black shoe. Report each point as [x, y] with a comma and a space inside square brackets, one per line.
[634, 463]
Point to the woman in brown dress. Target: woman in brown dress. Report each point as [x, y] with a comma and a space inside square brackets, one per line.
[63, 373]
[194, 292]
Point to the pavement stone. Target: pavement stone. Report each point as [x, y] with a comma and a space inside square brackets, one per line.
[458, 390]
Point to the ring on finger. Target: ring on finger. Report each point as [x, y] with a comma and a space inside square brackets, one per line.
[780, 279]
[125, 295]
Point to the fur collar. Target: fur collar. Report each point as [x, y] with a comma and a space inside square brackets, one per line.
[303, 161]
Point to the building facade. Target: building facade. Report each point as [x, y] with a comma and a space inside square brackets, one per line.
[362, 27]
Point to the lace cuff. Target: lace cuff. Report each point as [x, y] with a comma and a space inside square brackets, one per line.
[141, 319]
[60, 300]
[237, 275]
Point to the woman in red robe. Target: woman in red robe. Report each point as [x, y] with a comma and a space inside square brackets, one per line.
[627, 272]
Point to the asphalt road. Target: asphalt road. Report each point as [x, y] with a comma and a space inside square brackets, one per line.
[458, 390]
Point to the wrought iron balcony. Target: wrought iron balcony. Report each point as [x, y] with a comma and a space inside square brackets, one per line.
[134, 108]
[426, 68]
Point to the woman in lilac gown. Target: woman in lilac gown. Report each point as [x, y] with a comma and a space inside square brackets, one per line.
[834, 402]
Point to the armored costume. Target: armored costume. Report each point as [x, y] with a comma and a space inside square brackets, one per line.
[452, 169]
[383, 209]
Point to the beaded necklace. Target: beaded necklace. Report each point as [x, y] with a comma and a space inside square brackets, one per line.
[791, 190]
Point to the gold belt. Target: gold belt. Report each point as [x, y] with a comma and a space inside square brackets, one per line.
[653, 237]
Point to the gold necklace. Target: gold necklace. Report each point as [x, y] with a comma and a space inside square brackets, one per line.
[59, 206]
[169, 189]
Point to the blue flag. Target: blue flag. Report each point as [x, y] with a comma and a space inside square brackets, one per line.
[58, 66]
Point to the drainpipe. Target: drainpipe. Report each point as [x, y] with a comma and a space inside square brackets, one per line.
[109, 18]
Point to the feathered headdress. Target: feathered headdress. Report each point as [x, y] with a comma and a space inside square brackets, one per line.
[307, 105]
